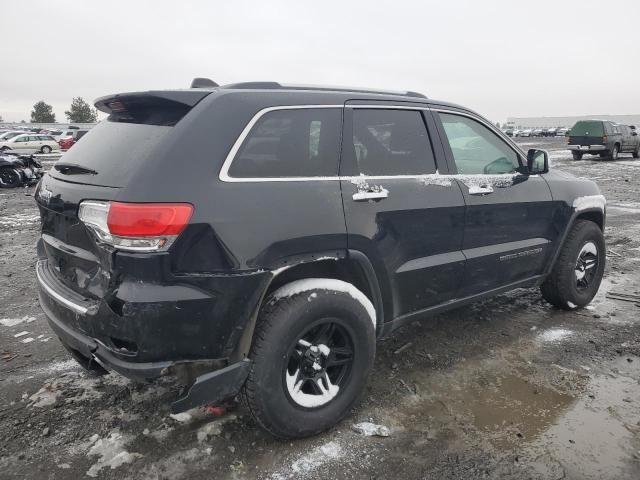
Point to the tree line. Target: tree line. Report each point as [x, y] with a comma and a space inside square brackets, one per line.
[79, 112]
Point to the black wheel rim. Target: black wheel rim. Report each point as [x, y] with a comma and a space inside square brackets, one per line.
[586, 266]
[319, 364]
[8, 177]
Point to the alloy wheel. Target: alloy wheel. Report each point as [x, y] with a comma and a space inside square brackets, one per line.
[319, 364]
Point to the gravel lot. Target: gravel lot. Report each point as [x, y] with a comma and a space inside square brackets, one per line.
[507, 388]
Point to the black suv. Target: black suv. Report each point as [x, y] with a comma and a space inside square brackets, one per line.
[257, 238]
[604, 138]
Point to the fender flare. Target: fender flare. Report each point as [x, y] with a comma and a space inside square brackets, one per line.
[244, 344]
[569, 226]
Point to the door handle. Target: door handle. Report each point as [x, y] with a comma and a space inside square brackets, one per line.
[480, 189]
[370, 195]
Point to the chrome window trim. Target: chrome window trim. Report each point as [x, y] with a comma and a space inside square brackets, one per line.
[224, 171]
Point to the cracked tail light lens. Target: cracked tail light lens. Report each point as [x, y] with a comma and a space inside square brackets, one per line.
[136, 227]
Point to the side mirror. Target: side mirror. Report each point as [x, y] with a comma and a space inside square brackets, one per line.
[537, 161]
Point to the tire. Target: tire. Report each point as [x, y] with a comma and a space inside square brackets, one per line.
[576, 155]
[636, 152]
[572, 284]
[302, 315]
[46, 149]
[10, 178]
[615, 152]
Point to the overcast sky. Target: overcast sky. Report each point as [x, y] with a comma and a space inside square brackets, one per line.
[502, 58]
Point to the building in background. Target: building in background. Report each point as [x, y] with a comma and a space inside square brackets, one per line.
[549, 122]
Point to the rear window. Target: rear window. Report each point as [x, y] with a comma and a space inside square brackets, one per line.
[114, 150]
[291, 143]
[587, 129]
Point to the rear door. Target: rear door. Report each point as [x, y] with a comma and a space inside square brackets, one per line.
[507, 233]
[400, 210]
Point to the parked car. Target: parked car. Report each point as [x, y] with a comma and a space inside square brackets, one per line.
[526, 132]
[66, 143]
[562, 132]
[310, 222]
[64, 133]
[8, 135]
[17, 170]
[604, 138]
[537, 132]
[40, 143]
[509, 132]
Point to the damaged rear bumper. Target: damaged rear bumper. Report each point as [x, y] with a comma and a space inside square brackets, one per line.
[58, 304]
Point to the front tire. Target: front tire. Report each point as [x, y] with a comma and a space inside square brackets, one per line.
[313, 350]
[576, 155]
[578, 271]
[46, 149]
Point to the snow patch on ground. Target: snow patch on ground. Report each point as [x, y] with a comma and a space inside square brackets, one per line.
[111, 452]
[369, 429]
[213, 428]
[47, 395]
[12, 322]
[317, 457]
[555, 335]
[19, 219]
[307, 284]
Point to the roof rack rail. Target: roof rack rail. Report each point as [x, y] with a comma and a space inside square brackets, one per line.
[202, 82]
[278, 86]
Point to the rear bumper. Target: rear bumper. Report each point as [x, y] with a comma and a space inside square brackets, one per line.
[587, 148]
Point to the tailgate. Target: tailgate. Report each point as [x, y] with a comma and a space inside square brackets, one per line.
[585, 140]
[67, 246]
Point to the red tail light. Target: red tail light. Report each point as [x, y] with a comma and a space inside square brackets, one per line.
[139, 227]
[148, 219]
[604, 139]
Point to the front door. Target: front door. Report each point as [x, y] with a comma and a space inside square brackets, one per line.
[400, 210]
[508, 221]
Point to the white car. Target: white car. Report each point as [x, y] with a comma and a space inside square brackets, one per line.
[31, 141]
[526, 132]
[10, 134]
[64, 134]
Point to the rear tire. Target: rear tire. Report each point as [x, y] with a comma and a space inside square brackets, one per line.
[615, 152]
[305, 331]
[46, 149]
[578, 271]
[10, 178]
[576, 155]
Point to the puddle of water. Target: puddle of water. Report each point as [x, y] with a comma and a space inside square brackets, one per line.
[594, 438]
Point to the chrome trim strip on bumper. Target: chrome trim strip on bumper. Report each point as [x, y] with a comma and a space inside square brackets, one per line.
[57, 297]
[586, 148]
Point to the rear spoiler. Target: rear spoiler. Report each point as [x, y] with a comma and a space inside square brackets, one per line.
[152, 108]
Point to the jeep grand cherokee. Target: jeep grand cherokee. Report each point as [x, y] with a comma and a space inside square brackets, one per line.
[257, 239]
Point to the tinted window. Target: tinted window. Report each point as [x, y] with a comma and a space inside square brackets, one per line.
[476, 149]
[391, 142]
[21, 139]
[115, 151]
[291, 143]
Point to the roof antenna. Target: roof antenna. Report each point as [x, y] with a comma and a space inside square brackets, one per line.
[203, 83]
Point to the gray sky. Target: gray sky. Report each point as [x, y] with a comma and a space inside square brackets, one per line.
[502, 58]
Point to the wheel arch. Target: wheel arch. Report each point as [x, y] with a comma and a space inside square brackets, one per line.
[353, 267]
[594, 215]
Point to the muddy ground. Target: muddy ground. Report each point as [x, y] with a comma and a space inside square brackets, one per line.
[507, 388]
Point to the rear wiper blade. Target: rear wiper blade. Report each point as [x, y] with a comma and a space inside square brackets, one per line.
[73, 169]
